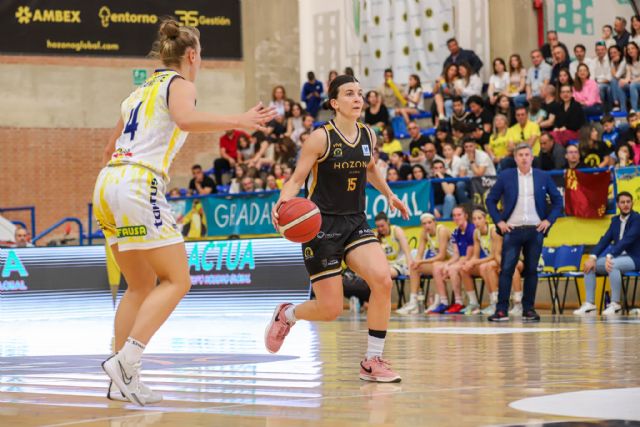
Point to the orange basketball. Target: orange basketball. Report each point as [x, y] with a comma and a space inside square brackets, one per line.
[299, 220]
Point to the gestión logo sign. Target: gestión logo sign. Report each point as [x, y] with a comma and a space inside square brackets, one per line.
[191, 18]
[25, 15]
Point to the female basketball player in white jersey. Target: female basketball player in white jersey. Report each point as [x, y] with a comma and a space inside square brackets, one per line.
[130, 206]
[335, 164]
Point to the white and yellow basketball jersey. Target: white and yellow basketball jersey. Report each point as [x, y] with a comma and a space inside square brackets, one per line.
[149, 138]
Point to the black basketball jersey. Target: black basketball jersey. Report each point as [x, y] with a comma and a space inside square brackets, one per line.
[338, 179]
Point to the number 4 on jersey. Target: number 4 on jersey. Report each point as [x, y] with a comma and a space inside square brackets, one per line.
[132, 123]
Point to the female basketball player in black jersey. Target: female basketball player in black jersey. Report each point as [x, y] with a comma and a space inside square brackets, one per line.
[335, 164]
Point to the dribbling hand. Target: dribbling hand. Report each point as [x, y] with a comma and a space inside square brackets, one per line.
[396, 203]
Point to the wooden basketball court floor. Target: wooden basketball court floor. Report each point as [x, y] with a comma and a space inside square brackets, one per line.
[213, 370]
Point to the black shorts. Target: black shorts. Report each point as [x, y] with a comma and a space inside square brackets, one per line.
[338, 235]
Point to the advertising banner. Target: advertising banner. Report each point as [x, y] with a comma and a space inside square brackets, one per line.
[250, 213]
[114, 27]
[629, 180]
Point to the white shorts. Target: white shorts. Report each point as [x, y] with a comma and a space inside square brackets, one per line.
[131, 209]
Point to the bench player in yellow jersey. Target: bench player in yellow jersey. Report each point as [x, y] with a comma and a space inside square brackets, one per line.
[335, 164]
[394, 244]
[131, 208]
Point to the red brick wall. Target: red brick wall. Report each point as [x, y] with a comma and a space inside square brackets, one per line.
[55, 169]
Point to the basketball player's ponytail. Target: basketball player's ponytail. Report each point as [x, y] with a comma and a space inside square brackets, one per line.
[172, 41]
[334, 89]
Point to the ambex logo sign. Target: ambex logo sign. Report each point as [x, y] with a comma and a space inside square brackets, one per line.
[25, 15]
[13, 273]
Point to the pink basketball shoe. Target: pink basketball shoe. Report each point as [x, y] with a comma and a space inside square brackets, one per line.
[378, 370]
[278, 329]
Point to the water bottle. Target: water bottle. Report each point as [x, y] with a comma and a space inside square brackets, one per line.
[354, 305]
[420, 301]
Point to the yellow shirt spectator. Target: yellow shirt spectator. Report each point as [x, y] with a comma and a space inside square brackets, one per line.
[392, 147]
[518, 134]
[499, 143]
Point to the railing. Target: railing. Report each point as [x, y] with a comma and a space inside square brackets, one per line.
[31, 209]
[58, 224]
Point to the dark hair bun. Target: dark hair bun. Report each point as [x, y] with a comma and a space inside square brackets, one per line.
[170, 29]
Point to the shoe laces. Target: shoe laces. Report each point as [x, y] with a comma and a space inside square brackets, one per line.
[380, 361]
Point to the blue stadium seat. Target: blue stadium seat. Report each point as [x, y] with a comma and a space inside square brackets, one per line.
[427, 95]
[223, 189]
[567, 266]
[421, 115]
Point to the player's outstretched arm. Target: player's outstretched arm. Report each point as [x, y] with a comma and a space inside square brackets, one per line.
[182, 107]
[311, 151]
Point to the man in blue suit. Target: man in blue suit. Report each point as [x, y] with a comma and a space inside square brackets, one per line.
[617, 251]
[523, 223]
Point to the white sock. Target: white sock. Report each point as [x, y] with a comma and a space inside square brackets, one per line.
[473, 299]
[493, 297]
[444, 300]
[375, 346]
[132, 350]
[517, 297]
[413, 298]
[290, 314]
[459, 299]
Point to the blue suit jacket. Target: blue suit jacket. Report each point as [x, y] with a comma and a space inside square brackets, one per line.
[506, 188]
[630, 241]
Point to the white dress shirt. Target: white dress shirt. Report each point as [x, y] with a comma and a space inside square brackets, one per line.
[525, 211]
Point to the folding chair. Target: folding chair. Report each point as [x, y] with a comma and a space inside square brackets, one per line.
[548, 272]
[567, 266]
[399, 282]
[626, 281]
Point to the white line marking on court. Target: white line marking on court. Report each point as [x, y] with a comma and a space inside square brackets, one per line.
[477, 331]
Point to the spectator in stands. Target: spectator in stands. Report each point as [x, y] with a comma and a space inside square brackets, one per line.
[201, 184]
[389, 142]
[380, 163]
[459, 56]
[622, 35]
[312, 92]
[431, 156]
[631, 80]
[475, 162]
[21, 236]
[573, 157]
[551, 106]
[610, 134]
[294, 122]
[228, 153]
[395, 245]
[245, 149]
[618, 66]
[552, 155]
[248, 185]
[462, 239]
[499, 81]
[278, 97]
[307, 127]
[621, 251]
[569, 119]
[524, 131]
[634, 143]
[635, 29]
[564, 78]
[452, 161]
[443, 192]
[285, 151]
[624, 156]
[271, 184]
[443, 134]
[552, 42]
[593, 150]
[389, 98]
[481, 117]
[259, 184]
[412, 97]
[607, 36]
[538, 75]
[432, 248]
[376, 114]
[560, 61]
[417, 142]
[580, 52]
[392, 175]
[498, 147]
[399, 163]
[602, 75]
[444, 91]
[504, 106]
[235, 185]
[260, 147]
[469, 83]
[332, 75]
[537, 114]
[586, 91]
[517, 80]
[458, 133]
[459, 113]
[418, 172]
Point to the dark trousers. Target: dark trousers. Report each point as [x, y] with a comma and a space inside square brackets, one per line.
[220, 166]
[528, 241]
